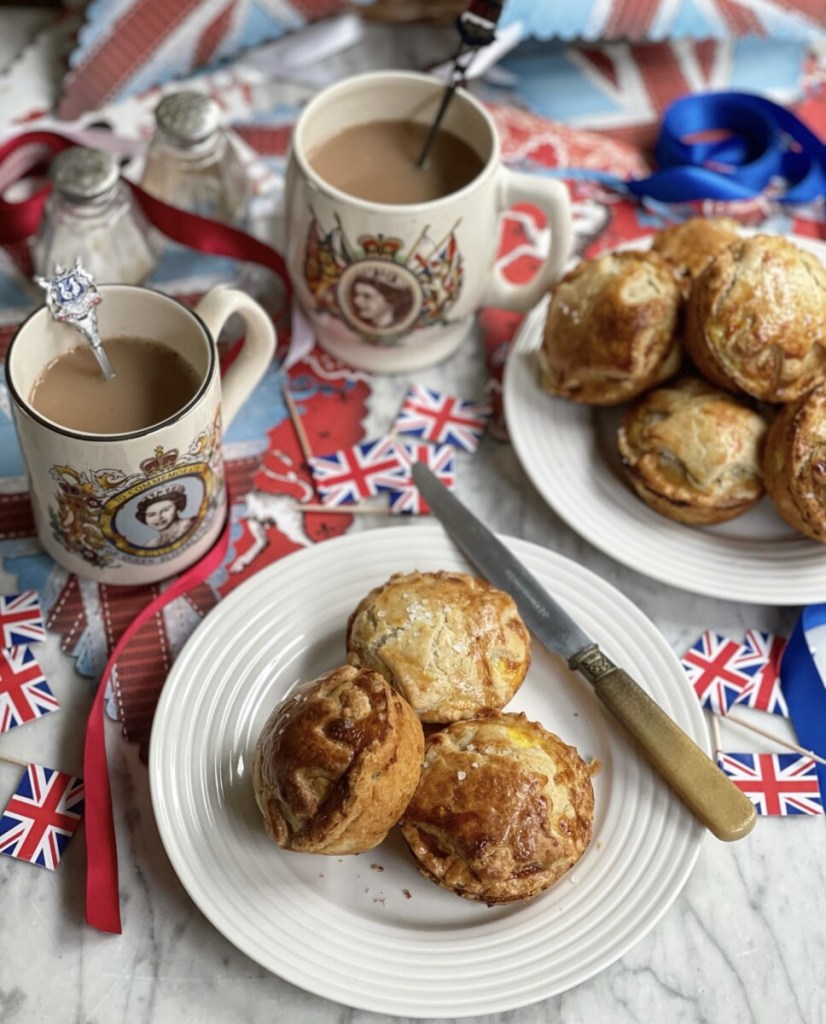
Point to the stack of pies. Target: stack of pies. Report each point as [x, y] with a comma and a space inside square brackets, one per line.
[494, 807]
[709, 336]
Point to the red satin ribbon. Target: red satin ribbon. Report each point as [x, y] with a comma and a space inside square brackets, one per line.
[19, 220]
[102, 896]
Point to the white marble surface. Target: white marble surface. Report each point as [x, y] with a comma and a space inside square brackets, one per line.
[742, 943]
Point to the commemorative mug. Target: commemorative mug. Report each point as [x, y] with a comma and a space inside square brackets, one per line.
[392, 286]
[123, 502]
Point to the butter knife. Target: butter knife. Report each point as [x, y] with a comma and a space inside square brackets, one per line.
[725, 811]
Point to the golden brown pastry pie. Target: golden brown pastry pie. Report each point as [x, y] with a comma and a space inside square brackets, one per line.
[794, 463]
[756, 319]
[689, 247]
[610, 329]
[336, 763]
[452, 645]
[692, 452]
[503, 808]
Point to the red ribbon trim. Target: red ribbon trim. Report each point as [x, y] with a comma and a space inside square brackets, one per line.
[102, 894]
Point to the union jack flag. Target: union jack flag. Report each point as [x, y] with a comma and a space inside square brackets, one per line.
[714, 666]
[443, 419]
[21, 618]
[775, 783]
[41, 816]
[361, 471]
[764, 691]
[407, 500]
[24, 692]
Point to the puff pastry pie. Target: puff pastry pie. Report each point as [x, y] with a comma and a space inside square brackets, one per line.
[336, 763]
[693, 452]
[610, 332]
[454, 646]
[794, 463]
[503, 809]
[756, 319]
[689, 247]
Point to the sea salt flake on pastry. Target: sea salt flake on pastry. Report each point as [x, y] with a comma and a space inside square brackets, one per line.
[502, 810]
[453, 645]
[336, 763]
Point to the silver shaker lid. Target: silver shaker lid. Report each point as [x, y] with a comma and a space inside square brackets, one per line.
[82, 174]
[188, 117]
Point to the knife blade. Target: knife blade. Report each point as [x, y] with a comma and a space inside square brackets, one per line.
[711, 796]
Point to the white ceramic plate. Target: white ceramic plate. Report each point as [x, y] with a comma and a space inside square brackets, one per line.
[368, 931]
[569, 451]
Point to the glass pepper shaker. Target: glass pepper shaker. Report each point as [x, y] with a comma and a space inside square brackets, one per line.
[91, 215]
[191, 161]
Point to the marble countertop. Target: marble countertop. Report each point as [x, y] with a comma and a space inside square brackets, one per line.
[740, 943]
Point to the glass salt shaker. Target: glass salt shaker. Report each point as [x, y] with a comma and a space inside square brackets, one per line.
[191, 161]
[91, 215]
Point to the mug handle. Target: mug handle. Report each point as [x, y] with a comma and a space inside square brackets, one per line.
[250, 365]
[551, 197]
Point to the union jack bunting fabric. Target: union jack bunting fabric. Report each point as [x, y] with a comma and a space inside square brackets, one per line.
[127, 46]
[777, 784]
[764, 691]
[443, 419]
[24, 692]
[407, 500]
[21, 618]
[41, 816]
[361, 471]
[714, 667]
[661, 19]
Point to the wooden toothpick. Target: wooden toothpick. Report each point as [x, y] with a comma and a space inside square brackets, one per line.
[14, 760]
[776, 739]
[715, 735]
[298, 426]
[378, 510]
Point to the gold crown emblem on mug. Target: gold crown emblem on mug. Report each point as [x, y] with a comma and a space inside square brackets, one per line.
[379, 247]
[159, 462]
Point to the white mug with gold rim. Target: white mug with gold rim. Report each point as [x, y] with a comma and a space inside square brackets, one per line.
[431, 265]
[134, 508]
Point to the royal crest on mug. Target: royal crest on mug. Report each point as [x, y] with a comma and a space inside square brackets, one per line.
[391, 283]
[114, 500]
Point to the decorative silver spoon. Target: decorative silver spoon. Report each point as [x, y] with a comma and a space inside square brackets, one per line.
[71, 298]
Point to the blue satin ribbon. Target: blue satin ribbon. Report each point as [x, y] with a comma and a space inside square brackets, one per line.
[764, 142]
[803, 688]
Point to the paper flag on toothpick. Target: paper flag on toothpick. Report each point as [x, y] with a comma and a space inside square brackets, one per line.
[361, 471]
[41, 816]
[439, 458]
[24, 692]
[714, 667]
[765, 651]
[21, 619]
[777, 784]
[443, 419]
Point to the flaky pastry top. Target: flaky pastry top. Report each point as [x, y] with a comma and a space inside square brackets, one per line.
[503, 808]
[693, 451]
[611, 329]
[336, 763]
[453, 645]
[756, 319]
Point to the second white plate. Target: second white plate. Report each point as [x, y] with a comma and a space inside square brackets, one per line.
[369, 931]
[570, 453]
